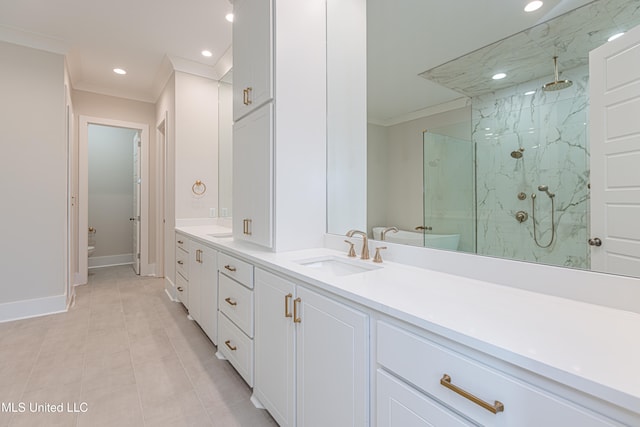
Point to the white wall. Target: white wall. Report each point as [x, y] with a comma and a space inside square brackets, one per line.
[33, 181]
[111, 191]
[196, 144]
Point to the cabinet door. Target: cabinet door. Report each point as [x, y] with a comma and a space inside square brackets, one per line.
[332, 362]
[399, 405]
[274, 346]
[252, 177]
[209, 293]
[195, 280]
[252, 55]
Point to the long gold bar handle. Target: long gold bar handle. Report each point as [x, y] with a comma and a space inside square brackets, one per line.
[230, 301]
[296, 319]
[494, 409]
[231, 347]
[287, 298]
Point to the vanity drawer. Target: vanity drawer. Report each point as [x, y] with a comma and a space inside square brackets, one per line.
[237, 269]
[182, 242]
[182, 289]
[424, 363]
[182, 263]
[236, 347]
[236, 302]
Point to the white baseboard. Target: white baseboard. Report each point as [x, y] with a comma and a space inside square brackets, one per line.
[32, 308]
[110, 260]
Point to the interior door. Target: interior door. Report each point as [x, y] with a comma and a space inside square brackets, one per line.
[615, 155]
[136, 202]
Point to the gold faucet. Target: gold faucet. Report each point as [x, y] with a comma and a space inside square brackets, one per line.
[365, 242]
[384, 232]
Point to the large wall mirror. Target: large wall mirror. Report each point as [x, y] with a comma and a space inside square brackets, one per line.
[225, 143]
[453, 158]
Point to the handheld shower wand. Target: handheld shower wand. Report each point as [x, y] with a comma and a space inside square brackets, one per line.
[544, 188]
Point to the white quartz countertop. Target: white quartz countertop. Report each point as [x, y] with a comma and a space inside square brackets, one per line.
[589, 347]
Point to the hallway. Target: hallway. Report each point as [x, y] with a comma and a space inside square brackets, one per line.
[127, 356]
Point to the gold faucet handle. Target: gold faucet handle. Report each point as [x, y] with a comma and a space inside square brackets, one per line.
[377, 257]
[352, 251]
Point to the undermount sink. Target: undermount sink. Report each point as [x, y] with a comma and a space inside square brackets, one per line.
[337, 266]
[219, 235]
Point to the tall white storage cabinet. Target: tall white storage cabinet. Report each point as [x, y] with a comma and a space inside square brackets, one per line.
[279, 137]
[311, 356]
[252, 55]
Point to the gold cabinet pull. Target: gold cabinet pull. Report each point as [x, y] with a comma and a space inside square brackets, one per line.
[230, 268]
[296, 319]
[246, 226]
[180, 242]
[230, 301]
[249, 89]
[244, 96]
[199, 256]
[180, 289]
[231, 347]
[494, 409]
[180, 262]
[287, 298]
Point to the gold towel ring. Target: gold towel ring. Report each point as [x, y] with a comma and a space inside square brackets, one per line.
[199, 188]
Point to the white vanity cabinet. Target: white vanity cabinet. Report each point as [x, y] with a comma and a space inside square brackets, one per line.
[235, 314]
[253, 177]
[420, 381]
[203, 288]
[311, 365]
[252, 55]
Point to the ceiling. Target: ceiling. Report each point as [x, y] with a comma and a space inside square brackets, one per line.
[148, 38]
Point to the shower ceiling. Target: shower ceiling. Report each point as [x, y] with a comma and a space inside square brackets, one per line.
[528, 55]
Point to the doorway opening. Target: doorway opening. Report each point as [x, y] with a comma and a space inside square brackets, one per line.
[113, 196]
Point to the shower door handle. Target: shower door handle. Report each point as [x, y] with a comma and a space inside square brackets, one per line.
[595, 242]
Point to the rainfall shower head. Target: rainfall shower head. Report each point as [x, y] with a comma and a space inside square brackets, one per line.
[557, 84]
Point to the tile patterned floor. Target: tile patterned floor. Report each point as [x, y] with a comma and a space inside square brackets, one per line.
[128, 353]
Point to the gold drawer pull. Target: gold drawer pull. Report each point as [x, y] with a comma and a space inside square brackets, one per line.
[231, 347]
[180, 289]
[228, 267]
[495, 408]
[287, 298]
[230, 301]
[180, 262]
[180, 242]
[296, 319]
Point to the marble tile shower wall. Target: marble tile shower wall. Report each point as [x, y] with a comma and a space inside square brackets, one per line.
[552, 129]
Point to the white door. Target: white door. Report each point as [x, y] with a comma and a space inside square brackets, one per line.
[615, 155]
[136, 202]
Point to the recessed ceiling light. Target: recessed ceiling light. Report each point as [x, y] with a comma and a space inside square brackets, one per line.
[207, 53]
[531, 92]
[229, 17]
[119, 71]
[615, 36]
[533, 5]
[499, 76]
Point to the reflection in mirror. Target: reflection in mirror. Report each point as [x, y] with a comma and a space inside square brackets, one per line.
[456, 160]
[225, 146]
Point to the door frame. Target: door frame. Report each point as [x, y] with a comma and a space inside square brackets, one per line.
[83, 193]
[161, 185]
